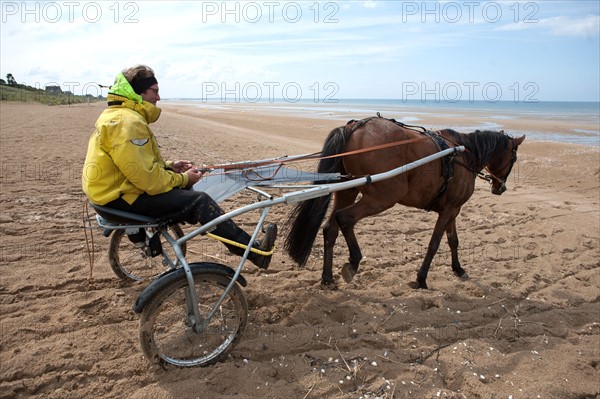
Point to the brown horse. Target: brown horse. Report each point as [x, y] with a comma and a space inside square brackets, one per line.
[442, 185]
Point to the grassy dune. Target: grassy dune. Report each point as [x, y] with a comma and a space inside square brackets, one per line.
[28, 94]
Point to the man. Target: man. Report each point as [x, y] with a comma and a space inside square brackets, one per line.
[124, 168]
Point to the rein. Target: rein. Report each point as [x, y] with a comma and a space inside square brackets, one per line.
[376, 147]
[246, 167]
[316, 155]
[490, 177]
[313, 156]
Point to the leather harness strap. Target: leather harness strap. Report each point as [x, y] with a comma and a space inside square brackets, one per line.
[447, 167]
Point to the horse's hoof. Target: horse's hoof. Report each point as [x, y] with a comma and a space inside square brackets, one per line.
[463, 275]
[421, 285]
[329, 286]
[348, 273]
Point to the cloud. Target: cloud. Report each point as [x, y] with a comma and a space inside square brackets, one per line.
[588, 26]
[584, 27]
[352, 43]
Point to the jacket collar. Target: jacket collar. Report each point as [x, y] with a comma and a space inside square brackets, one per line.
[149, 111]
[122, 88]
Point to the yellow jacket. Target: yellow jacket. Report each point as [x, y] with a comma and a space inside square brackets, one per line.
[123, 157]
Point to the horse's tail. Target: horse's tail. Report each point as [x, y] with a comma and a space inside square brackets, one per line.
[307, 216]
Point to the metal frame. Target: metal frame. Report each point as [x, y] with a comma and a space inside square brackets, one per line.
[309, 192]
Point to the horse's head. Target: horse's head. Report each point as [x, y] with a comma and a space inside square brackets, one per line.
[502, 163]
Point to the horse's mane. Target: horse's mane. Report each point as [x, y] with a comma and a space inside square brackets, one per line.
[481, 144]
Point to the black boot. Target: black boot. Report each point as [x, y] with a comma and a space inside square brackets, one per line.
[204, 209]
[138, 238]
[266, 244]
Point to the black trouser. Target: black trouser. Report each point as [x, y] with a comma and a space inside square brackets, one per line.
[186, 206]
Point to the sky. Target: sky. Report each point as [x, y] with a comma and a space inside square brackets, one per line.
[249, 51]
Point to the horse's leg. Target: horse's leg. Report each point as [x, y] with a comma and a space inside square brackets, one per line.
[347, 219]
[350, 269]
[444, 219]
[453, 243]
[331, 230]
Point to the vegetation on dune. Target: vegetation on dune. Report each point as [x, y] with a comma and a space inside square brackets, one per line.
[10, 90]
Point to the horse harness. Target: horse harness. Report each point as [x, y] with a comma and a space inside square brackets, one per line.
[447, 166]
[447, 161]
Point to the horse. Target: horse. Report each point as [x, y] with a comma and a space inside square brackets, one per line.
[374, 145]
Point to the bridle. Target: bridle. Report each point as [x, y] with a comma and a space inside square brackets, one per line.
[490, 177]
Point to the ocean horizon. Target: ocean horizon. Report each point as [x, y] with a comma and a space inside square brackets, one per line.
[416, 111]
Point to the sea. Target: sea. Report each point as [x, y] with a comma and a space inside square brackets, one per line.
[416, 112]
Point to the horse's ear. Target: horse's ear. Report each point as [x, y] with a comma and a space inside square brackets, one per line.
[519, 140]
[502, 131]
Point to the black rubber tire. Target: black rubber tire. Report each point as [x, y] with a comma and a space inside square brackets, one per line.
[130, 263]
[166, 336]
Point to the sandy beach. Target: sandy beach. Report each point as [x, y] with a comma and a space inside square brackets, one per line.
[525, 325]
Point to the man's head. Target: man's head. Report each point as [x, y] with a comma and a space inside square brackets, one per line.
[142, 80]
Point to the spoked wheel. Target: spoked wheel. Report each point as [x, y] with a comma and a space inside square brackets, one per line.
[131, 263]
[167, 331]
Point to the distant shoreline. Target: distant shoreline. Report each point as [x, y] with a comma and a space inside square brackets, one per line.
[568, 122]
